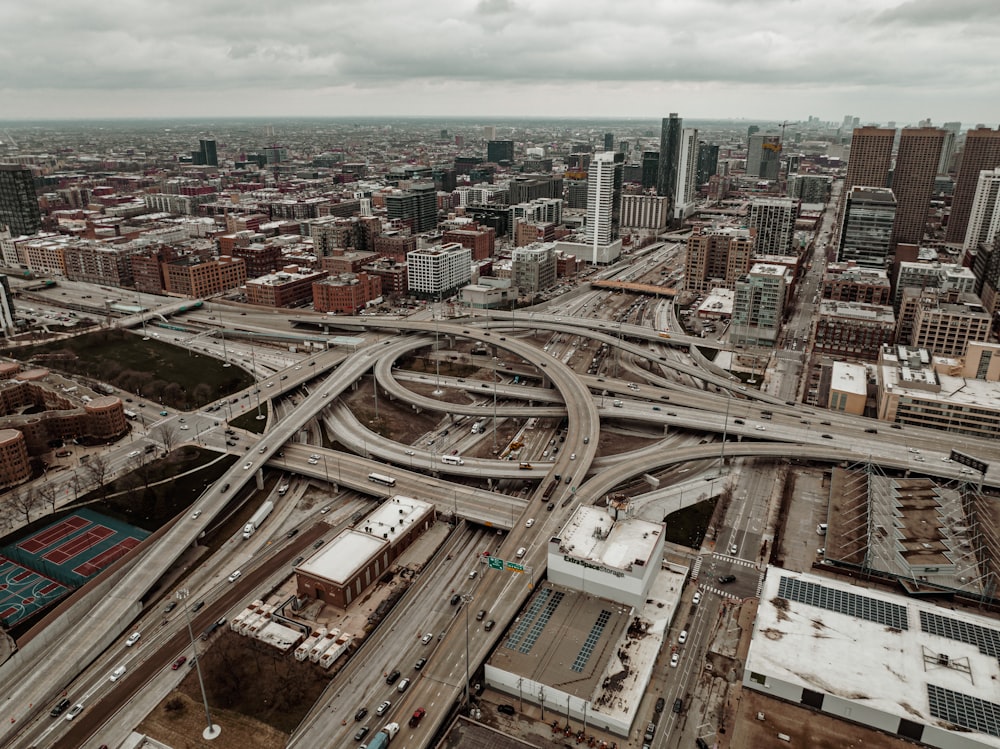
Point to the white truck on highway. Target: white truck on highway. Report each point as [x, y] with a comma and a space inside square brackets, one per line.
[381, 739]
[258, 517]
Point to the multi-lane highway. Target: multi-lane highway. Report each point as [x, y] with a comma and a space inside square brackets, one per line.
[755, 425]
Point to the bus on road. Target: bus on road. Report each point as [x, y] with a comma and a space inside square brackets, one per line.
[379, 478]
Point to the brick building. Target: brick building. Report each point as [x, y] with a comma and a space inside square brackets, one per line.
[346, 293]
[193, 276]
[289, 287]
[481, 240]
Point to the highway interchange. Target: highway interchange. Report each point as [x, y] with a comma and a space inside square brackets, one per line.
[660, 388]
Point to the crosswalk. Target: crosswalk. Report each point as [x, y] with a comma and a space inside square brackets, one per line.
[734, 560]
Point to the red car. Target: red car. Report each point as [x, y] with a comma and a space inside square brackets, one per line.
[417, 715]
[179, 662]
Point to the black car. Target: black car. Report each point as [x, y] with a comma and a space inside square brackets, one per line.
[391, 678]
[678, 705]
[169, 607]
[319, 543]
[456, 599]
[827, 436]
[292, 532]
[659, 705]
[197, 606]
[723, 579]
[419, 664]
[360, 714]
[701, 743]
[361, 733]
[60, 707]
[506, 709]
[550, 506]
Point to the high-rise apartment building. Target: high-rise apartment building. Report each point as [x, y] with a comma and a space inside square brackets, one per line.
[416, 207]
[609, 141]
[717, 257]
[440, 271]
[500, 151]
[670, 146]
[687, 174]
[18, 203]
[758, 305]
[870, 157]
[984, 219]
[866, 231]
[981, 152]
[649, 212]
[209, 152]
[773, 221]
[527, 187]
[913, 181]
[650, 167]
[604, 188]
[763, 156]
[708, 162]
[533, 267]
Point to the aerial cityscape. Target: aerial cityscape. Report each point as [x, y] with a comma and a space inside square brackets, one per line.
[439, 403]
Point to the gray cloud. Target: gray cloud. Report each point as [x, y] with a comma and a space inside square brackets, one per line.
[702, 54]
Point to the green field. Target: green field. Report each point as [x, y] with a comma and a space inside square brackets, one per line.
[152, 369]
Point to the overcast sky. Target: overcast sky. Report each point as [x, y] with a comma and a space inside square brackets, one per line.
[881, 60]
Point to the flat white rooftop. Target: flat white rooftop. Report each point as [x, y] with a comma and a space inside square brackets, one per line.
[592, 534]
[348, 552]
[849, 378]
[895, 655]
[394, 517]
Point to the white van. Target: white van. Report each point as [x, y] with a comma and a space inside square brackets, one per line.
[453, 460]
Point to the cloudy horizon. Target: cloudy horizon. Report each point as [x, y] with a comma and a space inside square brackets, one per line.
[880, 60]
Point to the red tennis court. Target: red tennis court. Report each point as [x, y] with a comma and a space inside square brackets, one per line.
[95, 564]
[50, 535]
[78, 545]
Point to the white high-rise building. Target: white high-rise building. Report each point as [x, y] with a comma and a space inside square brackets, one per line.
[984, 218]
[687, 174]
[603, 200]
[439, 271]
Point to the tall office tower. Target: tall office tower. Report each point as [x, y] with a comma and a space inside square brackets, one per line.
[500, 151]
[439, 271]
[670, 146]
[866, 232]
[209, 154]
[650, 168]
[984, 221]
[763, 156]
[6, 307]
[604, 191]
[913, 181]
[687, 173]
[18, 204]
[981, 152]
[708, 162]
[490, 132]
[416, 207]
[870, 157]
[773, 220]
[609, 141]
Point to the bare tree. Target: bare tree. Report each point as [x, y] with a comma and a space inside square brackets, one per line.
[167, 434]
[24, 501]
[97, 469]
[47, 494]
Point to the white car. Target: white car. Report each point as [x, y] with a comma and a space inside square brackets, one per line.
[247, 466]
[132, 639]
[196, 514]
[74, 711]
[427, 638]
[760, 427]
[529, 522]
[733, 549]
[409, 452]
[117, 673]
[383, 708]
[682, 637]
[697, 598]
[235, 576]
[184, 426]
[134, 454]
[674, 660]
[312, 461]
[572, 456]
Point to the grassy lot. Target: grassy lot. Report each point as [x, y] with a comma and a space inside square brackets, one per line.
[153, 369]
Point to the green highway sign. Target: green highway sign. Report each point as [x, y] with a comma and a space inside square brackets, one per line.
[496, 563]
[515, 567]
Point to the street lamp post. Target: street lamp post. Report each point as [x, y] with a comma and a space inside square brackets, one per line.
[211, 731]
